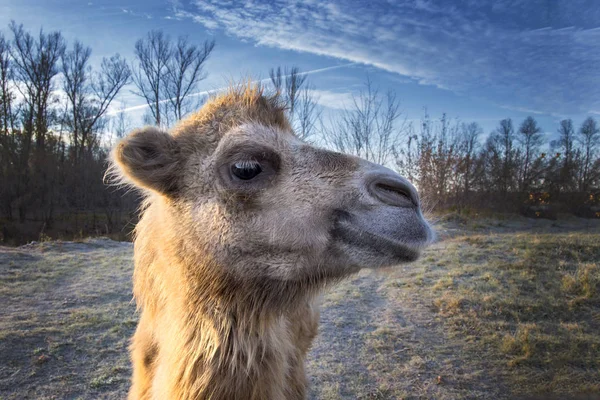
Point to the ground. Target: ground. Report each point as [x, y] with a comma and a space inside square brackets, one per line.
[496, 309]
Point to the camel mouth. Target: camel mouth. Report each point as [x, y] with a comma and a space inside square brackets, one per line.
[348, 231]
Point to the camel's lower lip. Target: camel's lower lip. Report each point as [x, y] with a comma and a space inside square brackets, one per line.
[347, 232]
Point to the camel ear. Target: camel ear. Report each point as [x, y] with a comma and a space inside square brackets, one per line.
[148, 158]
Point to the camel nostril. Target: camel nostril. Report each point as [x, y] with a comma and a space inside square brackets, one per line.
[393, 191]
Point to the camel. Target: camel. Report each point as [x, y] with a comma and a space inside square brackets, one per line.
[242, 226]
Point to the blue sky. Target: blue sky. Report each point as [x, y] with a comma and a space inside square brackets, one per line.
[473, 59]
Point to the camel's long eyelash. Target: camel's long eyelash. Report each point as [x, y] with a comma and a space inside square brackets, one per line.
[246, 164]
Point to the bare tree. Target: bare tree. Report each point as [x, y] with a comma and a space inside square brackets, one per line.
[289, 84]
[167, 73]
[566, 143]
[114, 74]
[468, 146]
[308, 113]
[589, 137]
[89, 95]
[8, 143]
[277, 79]
[406, 156]
[152, 54]
[370, 128]
[439, 146]
[297, 93]
[6, 95]
[120, 125]
[35, 65]
[183, 73]
[75, 71]
[567, 139]
[430, 158]
[501, 157]
[531, 139]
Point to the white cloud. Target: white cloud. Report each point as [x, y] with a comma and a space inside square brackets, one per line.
[335, 100]
[136, 14]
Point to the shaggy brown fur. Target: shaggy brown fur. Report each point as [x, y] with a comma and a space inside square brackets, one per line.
[227, 269]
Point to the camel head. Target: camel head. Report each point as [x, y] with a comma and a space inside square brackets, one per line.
[234, 184]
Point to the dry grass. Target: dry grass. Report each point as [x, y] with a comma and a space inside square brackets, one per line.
[498, 309]
[66, 320]
[530, 301]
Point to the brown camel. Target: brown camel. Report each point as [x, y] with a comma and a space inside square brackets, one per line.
[243, 224]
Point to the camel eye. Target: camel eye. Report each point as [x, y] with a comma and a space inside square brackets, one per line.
[246, 170]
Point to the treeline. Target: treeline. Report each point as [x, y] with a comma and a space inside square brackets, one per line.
[56, 132]
[516, 168]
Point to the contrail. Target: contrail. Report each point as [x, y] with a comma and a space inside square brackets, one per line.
[208, 92]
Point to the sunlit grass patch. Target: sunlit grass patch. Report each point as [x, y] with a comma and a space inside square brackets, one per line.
[107, 377]
[532, 305]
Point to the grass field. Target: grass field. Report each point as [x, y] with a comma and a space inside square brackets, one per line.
[497, 309]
